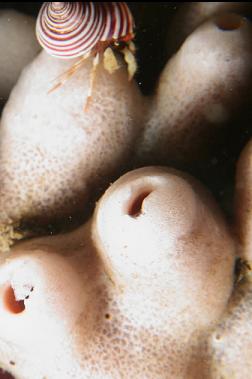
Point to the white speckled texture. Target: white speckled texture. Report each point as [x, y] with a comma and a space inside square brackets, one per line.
[199, 91]
[191, 14]
[53, 154]
[243, 202]
[18, 47]
[150, 287]
[230, 343]
[120, 305]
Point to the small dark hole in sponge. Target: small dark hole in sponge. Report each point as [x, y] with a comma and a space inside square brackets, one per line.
[13, 305]
[229, 21]
[107, 316]
[5, 375]
[217, 337]
[135, 208]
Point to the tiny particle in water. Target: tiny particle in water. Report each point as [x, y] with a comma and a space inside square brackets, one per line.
[214, 161]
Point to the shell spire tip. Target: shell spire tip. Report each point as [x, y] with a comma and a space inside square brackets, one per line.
[58, 5]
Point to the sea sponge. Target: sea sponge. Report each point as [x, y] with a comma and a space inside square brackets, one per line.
[229, 345]
[145, 289]
[199, 92]
[116, 297]
[243, 203]
[53, 154]
[191, 14]
[18, 46]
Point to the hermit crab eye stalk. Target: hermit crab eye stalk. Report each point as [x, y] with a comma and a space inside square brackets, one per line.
[69, 30]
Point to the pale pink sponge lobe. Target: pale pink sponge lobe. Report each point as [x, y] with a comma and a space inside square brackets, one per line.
[41, 299]
[191, 14]
[149, 222]
[53, 154]
[243, 202]
[132, 293]
[198, 94]
[230, 343]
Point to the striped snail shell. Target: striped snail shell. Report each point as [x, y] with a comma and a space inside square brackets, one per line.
[72, 29]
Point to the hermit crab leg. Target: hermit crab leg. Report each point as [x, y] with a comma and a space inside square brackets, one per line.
[96, 61]
[68, 30]
[69, 73]
[130, 60]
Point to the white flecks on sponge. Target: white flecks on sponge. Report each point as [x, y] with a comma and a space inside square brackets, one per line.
[53, 154]
[229, 344]
[200, 89]
[191, 14]
[243, 203]
[156, 213]
[132, 293]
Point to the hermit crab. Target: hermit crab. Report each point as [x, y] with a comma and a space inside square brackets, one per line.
[69, 30]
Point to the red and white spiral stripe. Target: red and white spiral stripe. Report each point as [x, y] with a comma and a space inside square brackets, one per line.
[68, 30]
